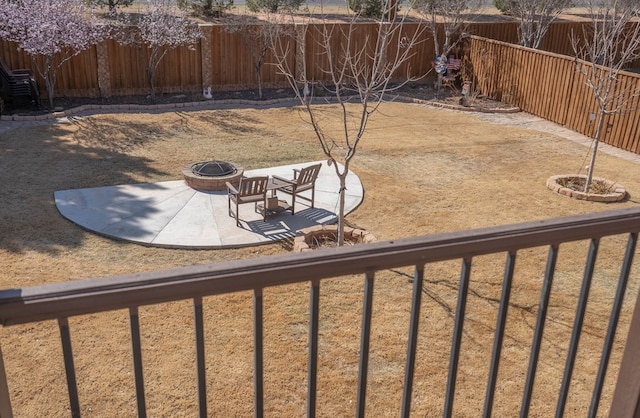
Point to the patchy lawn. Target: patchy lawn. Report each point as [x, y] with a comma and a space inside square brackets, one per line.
[424, 171]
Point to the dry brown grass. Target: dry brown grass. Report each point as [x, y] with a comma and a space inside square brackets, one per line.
[424, 171]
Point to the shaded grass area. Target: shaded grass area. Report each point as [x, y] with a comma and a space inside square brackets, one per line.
[424, 171]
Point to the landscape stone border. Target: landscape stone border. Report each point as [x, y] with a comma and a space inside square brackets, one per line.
[213, 104]
[617, 193]
[143, 108]
[470, 108]
[305, 236]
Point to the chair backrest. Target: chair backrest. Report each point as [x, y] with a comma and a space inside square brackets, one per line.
[253, 186]
[308, 174]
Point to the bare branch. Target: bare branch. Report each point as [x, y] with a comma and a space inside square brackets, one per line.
[610, 43]
[357, 76]
[451, 15]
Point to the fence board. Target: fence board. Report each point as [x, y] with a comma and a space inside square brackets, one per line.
[617, 120]
[632, 141]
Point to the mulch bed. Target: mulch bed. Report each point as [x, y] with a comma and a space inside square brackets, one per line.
[447, 97]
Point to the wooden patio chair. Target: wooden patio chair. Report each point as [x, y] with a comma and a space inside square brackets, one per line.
[250, 190]
[303, 179]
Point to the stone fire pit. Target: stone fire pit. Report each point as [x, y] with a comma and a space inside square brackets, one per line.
[212, 175]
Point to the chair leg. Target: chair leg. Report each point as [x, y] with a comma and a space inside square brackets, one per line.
[264, 212]
[237, 214]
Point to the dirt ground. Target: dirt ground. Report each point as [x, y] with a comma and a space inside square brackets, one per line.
[424, 171]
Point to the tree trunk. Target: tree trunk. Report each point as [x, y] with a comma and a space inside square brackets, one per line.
[595, 151]
[259, 80]
[152, 87]
[343, 189]
[49, 85]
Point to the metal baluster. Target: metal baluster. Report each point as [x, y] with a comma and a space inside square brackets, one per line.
[314, 310]
[499, 337]
[200, 357]
[577, 326]
[69, 368]
[137, 360]
[457, 336]
[258, 353]
[365, 336]
[545, 294]
[5, 399]
[613, 322]
[412, 344]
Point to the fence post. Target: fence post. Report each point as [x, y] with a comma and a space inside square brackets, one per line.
[205, 55]
[104, 73]
[300, 51]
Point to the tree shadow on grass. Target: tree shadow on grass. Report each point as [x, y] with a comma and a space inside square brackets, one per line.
[39, 160]
[227, 121]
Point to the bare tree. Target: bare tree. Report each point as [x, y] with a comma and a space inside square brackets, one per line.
[534, 18]
[162, 28]
[451, 15]
[606, 46]
[357, 77]
[258, 38]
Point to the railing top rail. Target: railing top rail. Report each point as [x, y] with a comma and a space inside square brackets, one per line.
[104, 294]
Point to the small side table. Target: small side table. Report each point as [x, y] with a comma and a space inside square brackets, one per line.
[274, 205]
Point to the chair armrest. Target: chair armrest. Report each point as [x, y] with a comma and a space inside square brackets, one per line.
[231, 189]
[296, 171]
[284, 180]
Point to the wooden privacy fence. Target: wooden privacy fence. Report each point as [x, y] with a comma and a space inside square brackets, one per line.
[220, 60]
[551, 86]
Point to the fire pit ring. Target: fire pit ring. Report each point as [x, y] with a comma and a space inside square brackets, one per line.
[212, 175]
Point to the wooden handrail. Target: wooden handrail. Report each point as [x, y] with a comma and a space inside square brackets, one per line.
[93, 295]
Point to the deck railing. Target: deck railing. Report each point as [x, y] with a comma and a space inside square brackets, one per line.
[61, 301]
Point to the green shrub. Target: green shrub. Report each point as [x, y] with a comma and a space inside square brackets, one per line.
[111, 3]
[211, 8]
[273, 6]
[369, 8]
[504, 5]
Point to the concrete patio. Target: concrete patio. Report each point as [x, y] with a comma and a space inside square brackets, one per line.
[173, 215]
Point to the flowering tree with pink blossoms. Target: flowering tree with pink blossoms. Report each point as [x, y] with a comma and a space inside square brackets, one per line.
[51, 32]
[162, 28]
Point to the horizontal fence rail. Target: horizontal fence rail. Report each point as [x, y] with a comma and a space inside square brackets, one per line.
[62, 301]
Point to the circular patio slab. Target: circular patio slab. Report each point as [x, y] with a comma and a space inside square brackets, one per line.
[172, 214]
